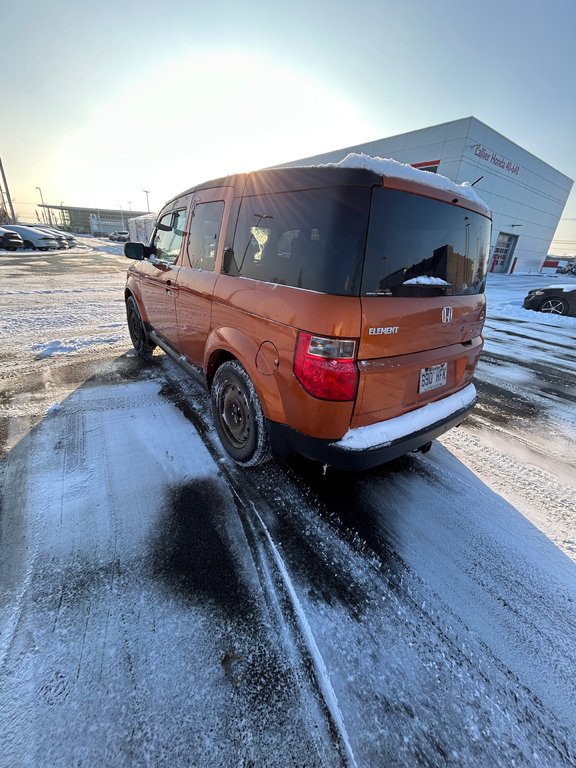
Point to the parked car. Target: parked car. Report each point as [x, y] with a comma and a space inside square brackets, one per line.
[334, 312]
[10, 240]
[34, 239]
[60, 237]
[554, 300]
[72, 241]
[123, 236]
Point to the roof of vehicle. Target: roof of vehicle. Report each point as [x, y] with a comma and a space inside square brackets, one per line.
[353, 170]
[47, 228]
[392, 168]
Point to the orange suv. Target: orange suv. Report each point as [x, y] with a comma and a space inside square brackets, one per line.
[332, 311]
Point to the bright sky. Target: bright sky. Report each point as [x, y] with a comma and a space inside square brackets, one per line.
[103, 100]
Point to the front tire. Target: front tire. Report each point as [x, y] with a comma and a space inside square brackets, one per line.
[554, 306]
[238, 416]
[137, 330]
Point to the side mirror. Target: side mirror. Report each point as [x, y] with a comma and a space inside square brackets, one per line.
[228, 263]
[135, 251]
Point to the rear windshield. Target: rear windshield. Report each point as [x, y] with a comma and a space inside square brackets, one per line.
[422, 247]
[312, 239]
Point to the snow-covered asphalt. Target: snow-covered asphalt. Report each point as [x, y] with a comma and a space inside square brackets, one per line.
[161, 607]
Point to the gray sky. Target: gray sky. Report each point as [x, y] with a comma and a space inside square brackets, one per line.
[103, 100]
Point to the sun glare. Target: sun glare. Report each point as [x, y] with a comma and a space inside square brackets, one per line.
[202, 116]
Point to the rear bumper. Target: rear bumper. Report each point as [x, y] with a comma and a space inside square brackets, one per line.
[376, 444]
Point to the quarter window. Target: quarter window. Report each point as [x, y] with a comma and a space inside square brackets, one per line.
[204, 232]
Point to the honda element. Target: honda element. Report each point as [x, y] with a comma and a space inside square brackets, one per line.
[331, 311]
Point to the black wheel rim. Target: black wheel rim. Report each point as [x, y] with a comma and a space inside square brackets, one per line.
[235, 416]
[134, 327]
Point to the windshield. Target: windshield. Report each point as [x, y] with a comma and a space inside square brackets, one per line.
[422, 247]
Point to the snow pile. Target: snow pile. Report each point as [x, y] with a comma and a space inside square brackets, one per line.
[425, 280]
[56, 347]
[505, 295]
[386, 432]
[389, 167]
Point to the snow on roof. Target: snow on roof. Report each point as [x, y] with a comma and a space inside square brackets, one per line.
[388, 167]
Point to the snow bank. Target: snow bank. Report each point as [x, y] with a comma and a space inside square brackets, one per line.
[515, 311]
[386, 432]
[389, 167]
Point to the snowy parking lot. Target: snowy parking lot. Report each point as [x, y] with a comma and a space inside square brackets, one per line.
[161, 607]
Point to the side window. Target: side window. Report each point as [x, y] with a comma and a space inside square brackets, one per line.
[204, 233]
[168, 238]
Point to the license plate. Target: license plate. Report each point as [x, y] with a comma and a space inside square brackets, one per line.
[433, 377]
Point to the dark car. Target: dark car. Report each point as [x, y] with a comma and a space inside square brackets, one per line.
[9, 240]
[554, 300]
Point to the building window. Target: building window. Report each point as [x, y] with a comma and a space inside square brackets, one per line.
[430, 165]
[503, 252]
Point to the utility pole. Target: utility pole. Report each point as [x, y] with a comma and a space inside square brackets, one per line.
[14, 219]
[147, 192]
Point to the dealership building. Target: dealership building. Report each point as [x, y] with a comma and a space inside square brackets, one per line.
[87, 221]
[526, 195]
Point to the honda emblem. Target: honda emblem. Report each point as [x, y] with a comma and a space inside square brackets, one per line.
[446, 314]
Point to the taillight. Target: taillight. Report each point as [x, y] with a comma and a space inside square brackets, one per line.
[326, 367]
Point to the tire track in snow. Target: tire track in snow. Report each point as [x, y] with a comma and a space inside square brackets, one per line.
[270, 560]
[276, 584]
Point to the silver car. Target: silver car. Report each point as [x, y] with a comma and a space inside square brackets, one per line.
[34, 239]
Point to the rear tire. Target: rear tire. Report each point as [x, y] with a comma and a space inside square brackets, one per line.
[138, 334]
[554, 305]
[238, 416]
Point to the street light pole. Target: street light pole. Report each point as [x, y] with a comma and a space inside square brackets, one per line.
[14, 219]
[147, 192]
[42, 201]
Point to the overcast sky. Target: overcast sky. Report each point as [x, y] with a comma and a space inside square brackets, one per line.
[103, 100]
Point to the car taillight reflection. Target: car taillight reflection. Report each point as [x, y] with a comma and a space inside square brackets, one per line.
[326, 367]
